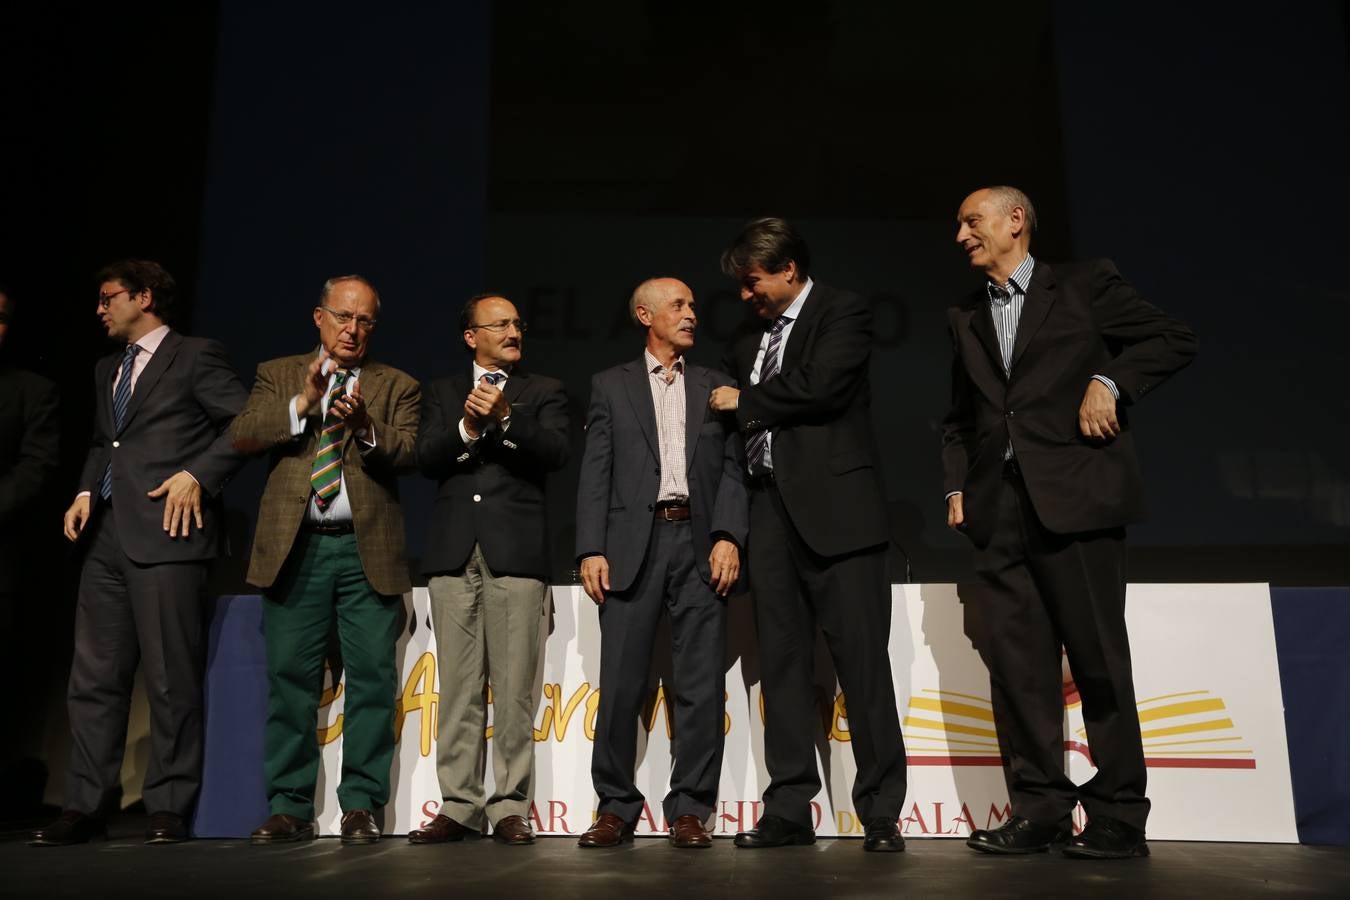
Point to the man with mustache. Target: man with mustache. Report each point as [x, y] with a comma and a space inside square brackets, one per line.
[1038, 459]
[490, 435]
[339, 428]
[661, 518]
[149, 515]
[818, 531]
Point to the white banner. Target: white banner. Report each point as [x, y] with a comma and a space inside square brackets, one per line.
[1206, 679]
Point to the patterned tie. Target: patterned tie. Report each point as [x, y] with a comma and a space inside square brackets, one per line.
[492, 378]
[121, 400]
[757, 445]
[325, 477]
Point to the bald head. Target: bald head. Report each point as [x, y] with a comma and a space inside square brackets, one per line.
[653, 293]
[665, 308]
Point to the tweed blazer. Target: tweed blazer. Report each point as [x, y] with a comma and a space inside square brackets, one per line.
[394, 400]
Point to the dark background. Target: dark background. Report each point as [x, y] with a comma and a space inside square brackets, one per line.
[562, 151]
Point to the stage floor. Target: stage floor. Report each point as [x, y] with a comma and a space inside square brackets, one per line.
[556, 868]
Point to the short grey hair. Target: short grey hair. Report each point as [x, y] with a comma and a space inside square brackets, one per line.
[338, 279]
[642, 296]
[1008, 197]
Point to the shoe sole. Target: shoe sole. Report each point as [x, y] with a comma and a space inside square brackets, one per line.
[1007, 851]
[297, 838]
[1086, 853]
[623, 840]
[794, 841]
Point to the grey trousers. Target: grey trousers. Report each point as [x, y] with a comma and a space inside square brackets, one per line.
[488, 634]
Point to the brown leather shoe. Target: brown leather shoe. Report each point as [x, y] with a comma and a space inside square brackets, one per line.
[72, 828]
[688, 833]
[280, 829]
[358, 827]
[608, 831]
[165, 828]
[441, 830]
[513, 830]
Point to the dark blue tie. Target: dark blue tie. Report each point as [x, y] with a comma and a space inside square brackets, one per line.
[492, 378]
[121, 400]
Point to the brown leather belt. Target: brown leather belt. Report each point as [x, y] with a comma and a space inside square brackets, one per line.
[672, 511]
[345, 528]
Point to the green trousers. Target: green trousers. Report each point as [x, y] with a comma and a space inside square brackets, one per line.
[322, 584]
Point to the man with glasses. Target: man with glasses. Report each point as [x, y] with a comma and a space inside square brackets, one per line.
[340, 429]
[148, 517]
[490, 435]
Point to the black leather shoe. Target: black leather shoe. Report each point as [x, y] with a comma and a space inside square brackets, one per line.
[1018, 835]
[282, 829]
[72, 828]
[1105, 838]
[883, 836]
[358, 827]
[166, 828]
[775, 831]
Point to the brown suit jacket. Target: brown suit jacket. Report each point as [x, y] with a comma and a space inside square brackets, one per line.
[394, 400]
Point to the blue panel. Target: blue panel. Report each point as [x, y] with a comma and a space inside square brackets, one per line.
[1312, 639]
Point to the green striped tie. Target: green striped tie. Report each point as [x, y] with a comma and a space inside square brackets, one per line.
[326, 475]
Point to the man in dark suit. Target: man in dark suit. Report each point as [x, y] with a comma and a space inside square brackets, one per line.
[661, 518]
[489, 435]
[1039, 464]
[329, 545]
[150, 516]
[818, 532]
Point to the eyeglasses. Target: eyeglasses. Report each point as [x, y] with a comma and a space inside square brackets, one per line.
[365, 323]
[501, 326]
[105, 300]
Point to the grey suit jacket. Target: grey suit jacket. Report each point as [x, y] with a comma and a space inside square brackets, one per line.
[621, 470]
[178, 418]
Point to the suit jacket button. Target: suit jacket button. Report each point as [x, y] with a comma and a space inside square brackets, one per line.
[477, 498]
[117, 444]
[651, 508]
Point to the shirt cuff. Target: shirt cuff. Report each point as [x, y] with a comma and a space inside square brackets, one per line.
[464, 435]
[366, 438]
[1110, 385]
[951, 494]
[297, 426]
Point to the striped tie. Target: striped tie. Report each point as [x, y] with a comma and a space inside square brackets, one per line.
[757, 445]
[121, 400]
[325, 477]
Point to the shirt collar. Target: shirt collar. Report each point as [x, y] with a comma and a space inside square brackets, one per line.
[151, 340]
[479, 372]
[1018, 282]
[654, 364]
[794, 311]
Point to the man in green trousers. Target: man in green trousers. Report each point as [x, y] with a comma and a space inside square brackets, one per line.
[340, 429]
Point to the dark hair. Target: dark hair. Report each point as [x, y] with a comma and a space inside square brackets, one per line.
[466, 314]
[138, 275]
[770, 243]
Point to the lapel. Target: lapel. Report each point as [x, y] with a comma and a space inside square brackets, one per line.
[696, 391]
[805, 324]
[1040, 297]
[103, 377]
[159, 362]
[640, 396]
[516, 382]
[982, 323]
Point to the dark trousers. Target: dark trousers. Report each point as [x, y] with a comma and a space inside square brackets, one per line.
[669, 581]
[1035, 592]
[323, 579]
[850, 598]
[127, 614]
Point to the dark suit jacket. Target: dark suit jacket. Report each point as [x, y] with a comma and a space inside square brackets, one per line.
[818, 410]
[492, 492]
[621, 470]
[178, 418]
[393, 399]
[29, 455]
[1078, 320]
